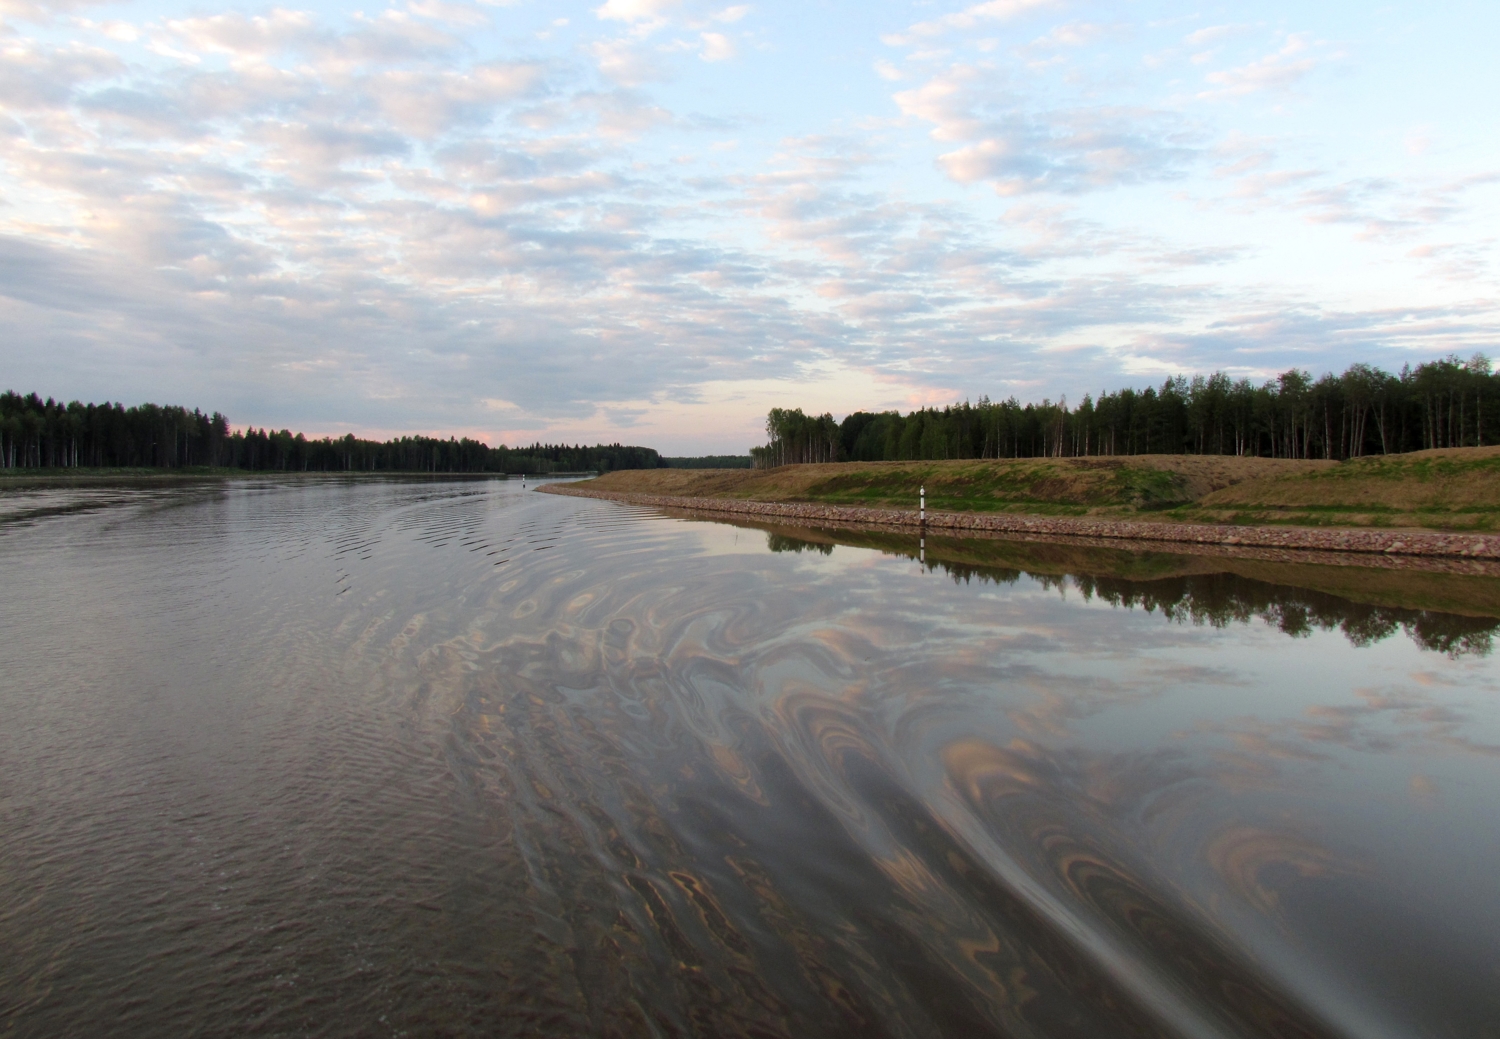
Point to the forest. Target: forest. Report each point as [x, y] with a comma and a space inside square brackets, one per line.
[1442, 403]
[38, 434]
[709, 462]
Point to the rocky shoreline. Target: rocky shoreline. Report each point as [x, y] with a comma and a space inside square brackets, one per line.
[1379, 542]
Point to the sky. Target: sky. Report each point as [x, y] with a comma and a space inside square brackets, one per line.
[652, 220]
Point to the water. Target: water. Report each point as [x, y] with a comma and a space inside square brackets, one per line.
[450, 758]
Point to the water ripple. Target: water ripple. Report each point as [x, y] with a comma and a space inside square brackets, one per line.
[450, 758]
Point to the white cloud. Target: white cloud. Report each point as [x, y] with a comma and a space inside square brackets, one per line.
[450, 13]
[636, 10]
[1074, 34]
[626, 62]
[393, 221]
[33, 78]
[122, 32]
[969, 18]
[622, 115]
[1020, 149]
[716, 47]
[1277, 71]
[1214, 34]
[43, 10]
[427, 104]
[259, 36]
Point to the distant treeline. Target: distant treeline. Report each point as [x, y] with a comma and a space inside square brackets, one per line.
[38, 434]
[709, 462]
[1445, 403]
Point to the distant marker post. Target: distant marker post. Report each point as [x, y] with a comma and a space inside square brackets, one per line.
[922, 519]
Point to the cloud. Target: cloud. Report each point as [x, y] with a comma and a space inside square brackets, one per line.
[716, 47]
[969, 18]
[260, 36]
[390, 220]
[302, 147]
[1214, 34]
[43, 10]
[622, 114]
[452, 14]
[626, 62]
[1278, 71]
[1379, 207]
[31, 78]
[1074, 34]
[636, 11]
[1021, 151]
[427, 104]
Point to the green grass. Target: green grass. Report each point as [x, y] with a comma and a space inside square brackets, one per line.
[1031, 487]
[951, 503]
[1458, 490]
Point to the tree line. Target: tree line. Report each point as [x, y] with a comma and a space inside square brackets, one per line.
[707, 462]
[1443, 403]
[38, 434]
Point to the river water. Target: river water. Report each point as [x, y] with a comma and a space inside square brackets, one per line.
[453, 758]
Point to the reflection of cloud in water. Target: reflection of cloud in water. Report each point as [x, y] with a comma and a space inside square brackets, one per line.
[654, 779]
[937, 767]
[1381, 723]
[1245, 857]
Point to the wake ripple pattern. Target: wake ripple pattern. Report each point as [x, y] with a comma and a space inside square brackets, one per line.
[453, 758]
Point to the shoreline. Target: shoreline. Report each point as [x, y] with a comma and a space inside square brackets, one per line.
[35, 479]
[1362, 541]
[935, 540]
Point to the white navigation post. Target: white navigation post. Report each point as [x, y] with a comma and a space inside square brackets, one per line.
[922, 519]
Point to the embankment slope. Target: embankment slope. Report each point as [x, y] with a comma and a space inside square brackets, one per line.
[1453, 489]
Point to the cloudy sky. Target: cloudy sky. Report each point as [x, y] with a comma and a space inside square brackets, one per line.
[650, 220]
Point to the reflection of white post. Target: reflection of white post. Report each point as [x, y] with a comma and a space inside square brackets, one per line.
[922, 552]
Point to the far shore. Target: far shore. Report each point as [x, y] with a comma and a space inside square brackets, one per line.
[1431, 503]
[19, 479]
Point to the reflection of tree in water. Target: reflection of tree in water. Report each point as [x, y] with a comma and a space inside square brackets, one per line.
[783, 543]
[1219, 599]
[1223, 599]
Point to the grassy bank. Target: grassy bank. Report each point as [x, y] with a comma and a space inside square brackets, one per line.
[1454, 489]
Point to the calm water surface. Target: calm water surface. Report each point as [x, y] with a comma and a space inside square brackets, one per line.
[450, 758]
